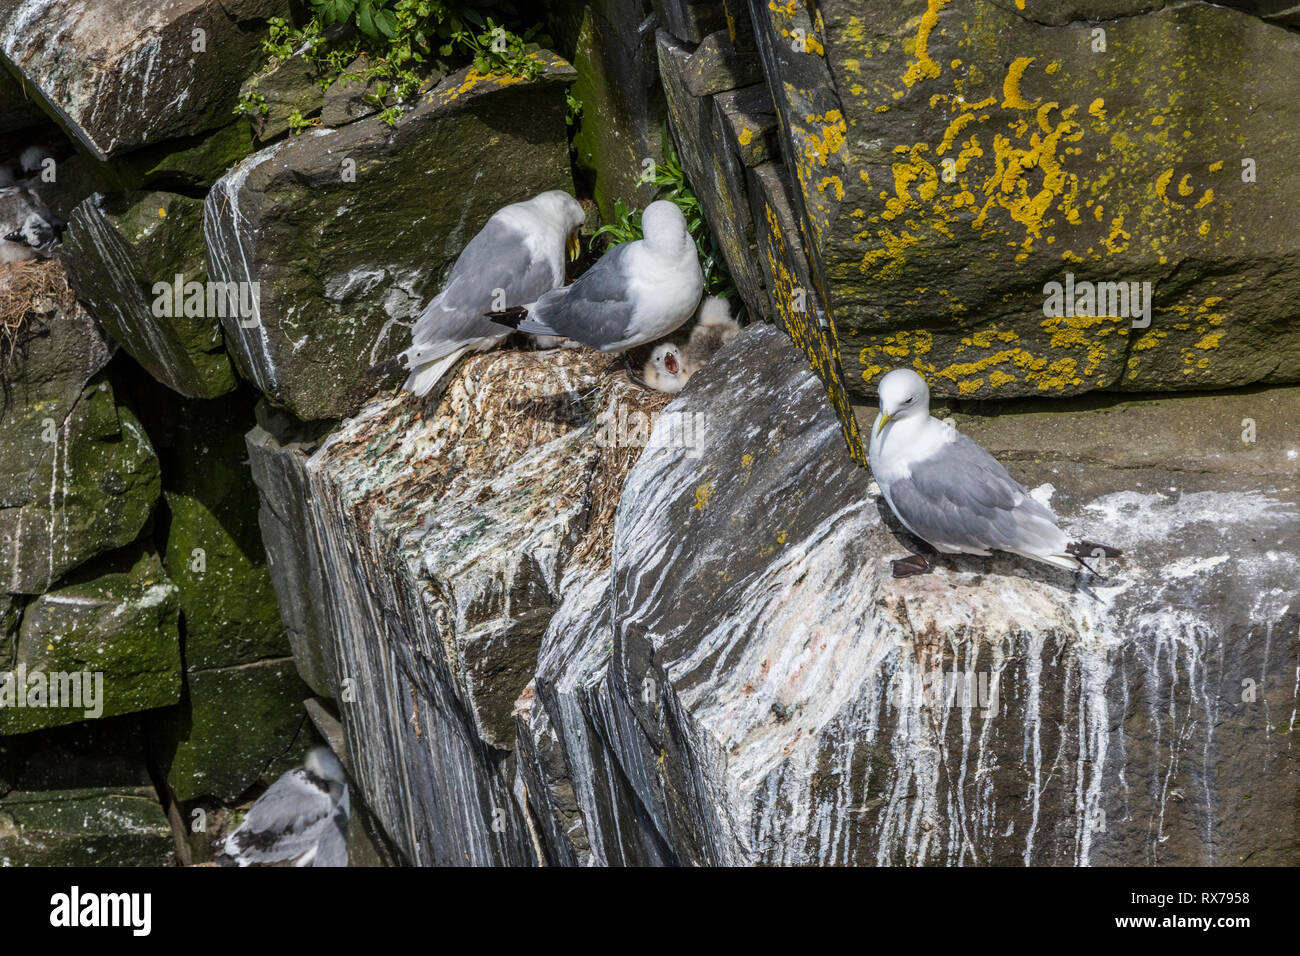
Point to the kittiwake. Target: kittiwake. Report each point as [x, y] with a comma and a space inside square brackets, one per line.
[638, 292]
[301, 820]
[663, 369]
[514, 258]
[951, 493]
[28, 230]
[671, 364]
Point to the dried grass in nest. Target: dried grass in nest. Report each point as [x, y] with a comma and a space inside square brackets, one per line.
[610, 472]
[29, 290]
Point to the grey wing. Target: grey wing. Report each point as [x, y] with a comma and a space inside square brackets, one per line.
[285, 822]
[596, 309]
[962, 499]
[497, 258]
[332, 848]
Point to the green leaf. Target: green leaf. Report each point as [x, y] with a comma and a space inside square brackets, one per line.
[365, 20]
[386, 21]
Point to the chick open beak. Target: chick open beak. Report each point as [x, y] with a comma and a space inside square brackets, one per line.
[882, 421]
[574, 246]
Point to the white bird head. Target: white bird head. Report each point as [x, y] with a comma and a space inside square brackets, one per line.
[322, 762]
[903, 394]
[664, 226]
[664, 370]
[559, 207]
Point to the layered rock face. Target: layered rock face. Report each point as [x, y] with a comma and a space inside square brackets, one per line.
[546, 617]
[125, 76]
[463, 512]
[733, 676]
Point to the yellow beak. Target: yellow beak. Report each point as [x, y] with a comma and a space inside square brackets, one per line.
[881, 421]
[574, 246]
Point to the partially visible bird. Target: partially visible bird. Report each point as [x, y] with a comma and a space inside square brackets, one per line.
[514, 258]
[663, 370]
[714, 329]
[638, 292]
[28, 230]
[671, 364]
[301, 820]
[951, 493]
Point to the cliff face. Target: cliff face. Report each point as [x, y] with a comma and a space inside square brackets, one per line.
[733, 676]
[548, 617]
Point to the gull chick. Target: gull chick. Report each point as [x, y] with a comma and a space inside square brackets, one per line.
[513, 259]
[671, 364]
[301, 820]
[951, 493]
[714, 328]
[637, 293]
[663, 370]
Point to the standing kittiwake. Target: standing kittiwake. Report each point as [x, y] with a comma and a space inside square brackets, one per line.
[516, 256]
[638, 292]
[301, 820]
[951, 493]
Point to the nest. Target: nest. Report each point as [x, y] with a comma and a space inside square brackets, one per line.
[612, 466]
[29, 291]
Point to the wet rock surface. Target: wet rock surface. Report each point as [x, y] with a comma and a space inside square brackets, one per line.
[118, 80]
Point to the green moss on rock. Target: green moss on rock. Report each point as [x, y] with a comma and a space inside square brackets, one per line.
[82, 485]
[116, 618]
[123, 254]
[235, 728]
[89, 827]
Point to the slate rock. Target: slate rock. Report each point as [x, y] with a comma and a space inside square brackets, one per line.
[123, 253]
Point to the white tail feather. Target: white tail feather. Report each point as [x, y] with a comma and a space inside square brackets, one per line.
[424, 378]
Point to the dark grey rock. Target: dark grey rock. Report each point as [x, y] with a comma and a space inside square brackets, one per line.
[118, 82]
[716, 66]
[119, 252]
[713, 170]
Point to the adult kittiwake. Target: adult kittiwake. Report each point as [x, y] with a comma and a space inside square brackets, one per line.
[28, 230]
[301, 820]
[636, 293]
[513, 259]
[951, 493]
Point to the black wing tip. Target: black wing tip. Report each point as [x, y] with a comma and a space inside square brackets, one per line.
[510, 318]
[1091, 549]
[387, 367]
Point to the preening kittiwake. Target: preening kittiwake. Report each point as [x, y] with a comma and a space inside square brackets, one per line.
[514, 258]
[301, 820]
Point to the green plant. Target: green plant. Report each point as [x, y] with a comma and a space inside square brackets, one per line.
[391, 40]
[495, 49]
[669, 180]
[572, 108]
